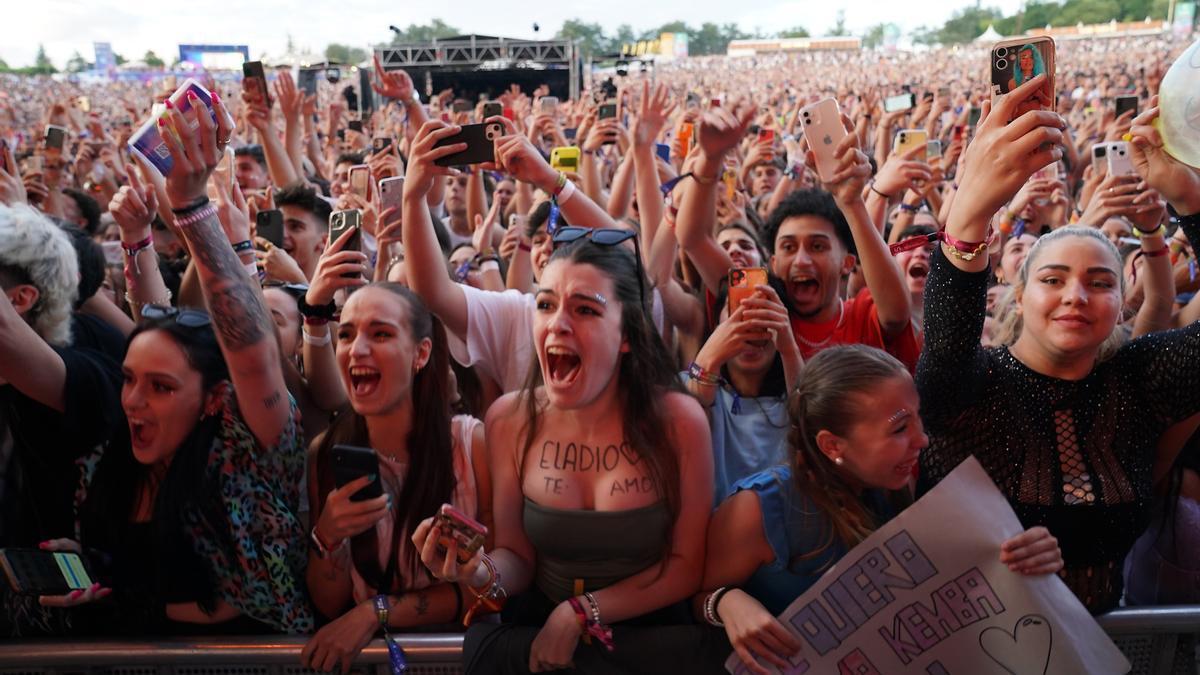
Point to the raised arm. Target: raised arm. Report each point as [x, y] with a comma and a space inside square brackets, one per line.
[133, 208]
[883, 275]
[279, 165]
[422, 256]
[240, 319]
[653, 112]
[720, 130]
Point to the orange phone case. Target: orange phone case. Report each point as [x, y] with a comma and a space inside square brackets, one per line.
[742, 283]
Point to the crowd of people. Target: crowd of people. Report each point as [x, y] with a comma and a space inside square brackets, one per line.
[181, 392]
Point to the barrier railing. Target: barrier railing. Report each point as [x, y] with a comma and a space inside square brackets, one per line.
[1157, 641]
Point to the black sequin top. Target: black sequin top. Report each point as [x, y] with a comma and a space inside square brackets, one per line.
[1073, 456]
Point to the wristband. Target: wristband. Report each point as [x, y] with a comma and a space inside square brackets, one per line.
[524, 247]
[251, 269]
[488, 265]
[243, 246]
[308, 311]
[310, 339]
[1139, 233]
[193, 217]
[909, 208]
[876, 191]
[566, 192]
[132, 250]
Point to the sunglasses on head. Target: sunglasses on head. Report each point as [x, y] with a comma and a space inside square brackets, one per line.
[605, 236]
[295, 290]
[188, 318]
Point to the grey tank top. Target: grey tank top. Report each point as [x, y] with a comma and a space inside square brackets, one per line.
[597, 547]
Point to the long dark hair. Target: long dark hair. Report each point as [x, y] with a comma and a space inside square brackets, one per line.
[190, 484]
[429, 478]
[646, 372]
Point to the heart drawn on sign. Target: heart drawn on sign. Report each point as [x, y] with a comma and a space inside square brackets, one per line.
[1024, 651]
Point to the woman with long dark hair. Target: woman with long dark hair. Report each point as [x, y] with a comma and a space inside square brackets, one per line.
[394, 365]
[196, 507]
[602, 470]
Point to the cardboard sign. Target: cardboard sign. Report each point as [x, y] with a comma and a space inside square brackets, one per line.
[927, 593]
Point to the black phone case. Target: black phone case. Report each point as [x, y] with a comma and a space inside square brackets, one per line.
[350, 463]
[607, 111]
[269, 225]
[492, 110]
[255, 69]
[1125, 104]
[30, 571]
[480, 148]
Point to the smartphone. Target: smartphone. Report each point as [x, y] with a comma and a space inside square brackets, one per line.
[480, 144]
[360, 180]
[692, 100]
[933, 150]
[607, 111]
[355, 125]
[973, 115]
[1013, 62]
[493, 109]
[960, 131]
[899, 102]
[943, 92]
[55, 138]
[1099, 157]
[823, 130]
[85, 104]
[339, 222]
[565, 158]
[767, 135]
[460, 105]
[147, 141]
[729, 178]
[31, 571]
[549, 105]
[391, 194]
[714, 102]
[1119, 162]
[268, 224]
[1125, 104]
[380, 144]
[4, 157]
[306, 79]
[350, 463]
[686, 135]
[253, 70]
[907, 139]
[1048, 172]
[663, 151]
[570, 133]
[742, 283]
[468, 532]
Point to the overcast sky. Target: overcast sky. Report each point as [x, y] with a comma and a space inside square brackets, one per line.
[133, 26]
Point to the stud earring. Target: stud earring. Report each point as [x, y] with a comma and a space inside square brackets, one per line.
[839, 461]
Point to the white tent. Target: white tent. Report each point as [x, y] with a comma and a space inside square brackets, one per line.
[989, 35]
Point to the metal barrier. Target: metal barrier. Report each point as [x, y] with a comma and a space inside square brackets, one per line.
[1157, 641]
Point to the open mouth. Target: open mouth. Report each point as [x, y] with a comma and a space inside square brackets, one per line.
[906, 469]
[141, 432]
[364, 381]
[918, 270]
[562, 365]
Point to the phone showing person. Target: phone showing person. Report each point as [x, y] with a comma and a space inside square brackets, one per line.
[742, 283]
[466, 531]
[360, 181]
[607, 111]
[1015, 62]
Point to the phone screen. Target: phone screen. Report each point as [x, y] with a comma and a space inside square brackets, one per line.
[1125, 104]
[360, 180]
[607, 111]
[898, 102]
[742, 284]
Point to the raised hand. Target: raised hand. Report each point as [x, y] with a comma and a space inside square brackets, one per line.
[654, 109]
[133, 208]
[1177, 182]
[721, 129]
[337, 268]
[422, 171]
[853, 168]
[392, 83]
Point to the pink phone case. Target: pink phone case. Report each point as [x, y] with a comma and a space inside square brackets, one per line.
[823, 130]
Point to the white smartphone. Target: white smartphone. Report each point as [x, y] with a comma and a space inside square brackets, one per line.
[933, 150]
[549, 105]
[1099, 157]
[391, 193]
[1119, 162]
[823, 130]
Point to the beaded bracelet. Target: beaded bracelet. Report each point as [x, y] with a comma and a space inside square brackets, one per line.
[199, 203]
[592, 627]
[702, 376]
[710, 606]
[194, 217]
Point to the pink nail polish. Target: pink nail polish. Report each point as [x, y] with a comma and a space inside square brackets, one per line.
[216, 97]
[170, 106]
[75, 594]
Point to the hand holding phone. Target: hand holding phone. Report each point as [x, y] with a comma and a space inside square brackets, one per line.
[743, 281]
[268, 224]
[480, 140]
[31, 571]
[823, 129]
[455, 525]
[254, 80]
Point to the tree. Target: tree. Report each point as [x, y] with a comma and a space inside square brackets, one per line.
[967, 24]
[589, 37]
[873, 37]
[708, 39]
[419, 33]
[345, 53]
[77, 63]
[42, 64]
[839, 28]
[120, 60]
[152, 59]
[794, 32]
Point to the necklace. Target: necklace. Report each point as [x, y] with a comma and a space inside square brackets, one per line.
[836, 326]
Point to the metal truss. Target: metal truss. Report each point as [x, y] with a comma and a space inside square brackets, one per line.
[474, 51]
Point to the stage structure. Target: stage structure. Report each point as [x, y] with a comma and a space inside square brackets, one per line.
[477, 66]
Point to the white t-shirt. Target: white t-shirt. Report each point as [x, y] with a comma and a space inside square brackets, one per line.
[499, 340]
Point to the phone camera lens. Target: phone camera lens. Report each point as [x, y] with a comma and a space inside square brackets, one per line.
[1001, 64]
[1002, 52]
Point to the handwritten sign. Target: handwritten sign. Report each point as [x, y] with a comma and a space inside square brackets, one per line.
[927, 593]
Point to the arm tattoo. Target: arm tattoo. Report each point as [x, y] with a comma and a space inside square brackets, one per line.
[273, 400]
[422, 603]
[237, 311]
